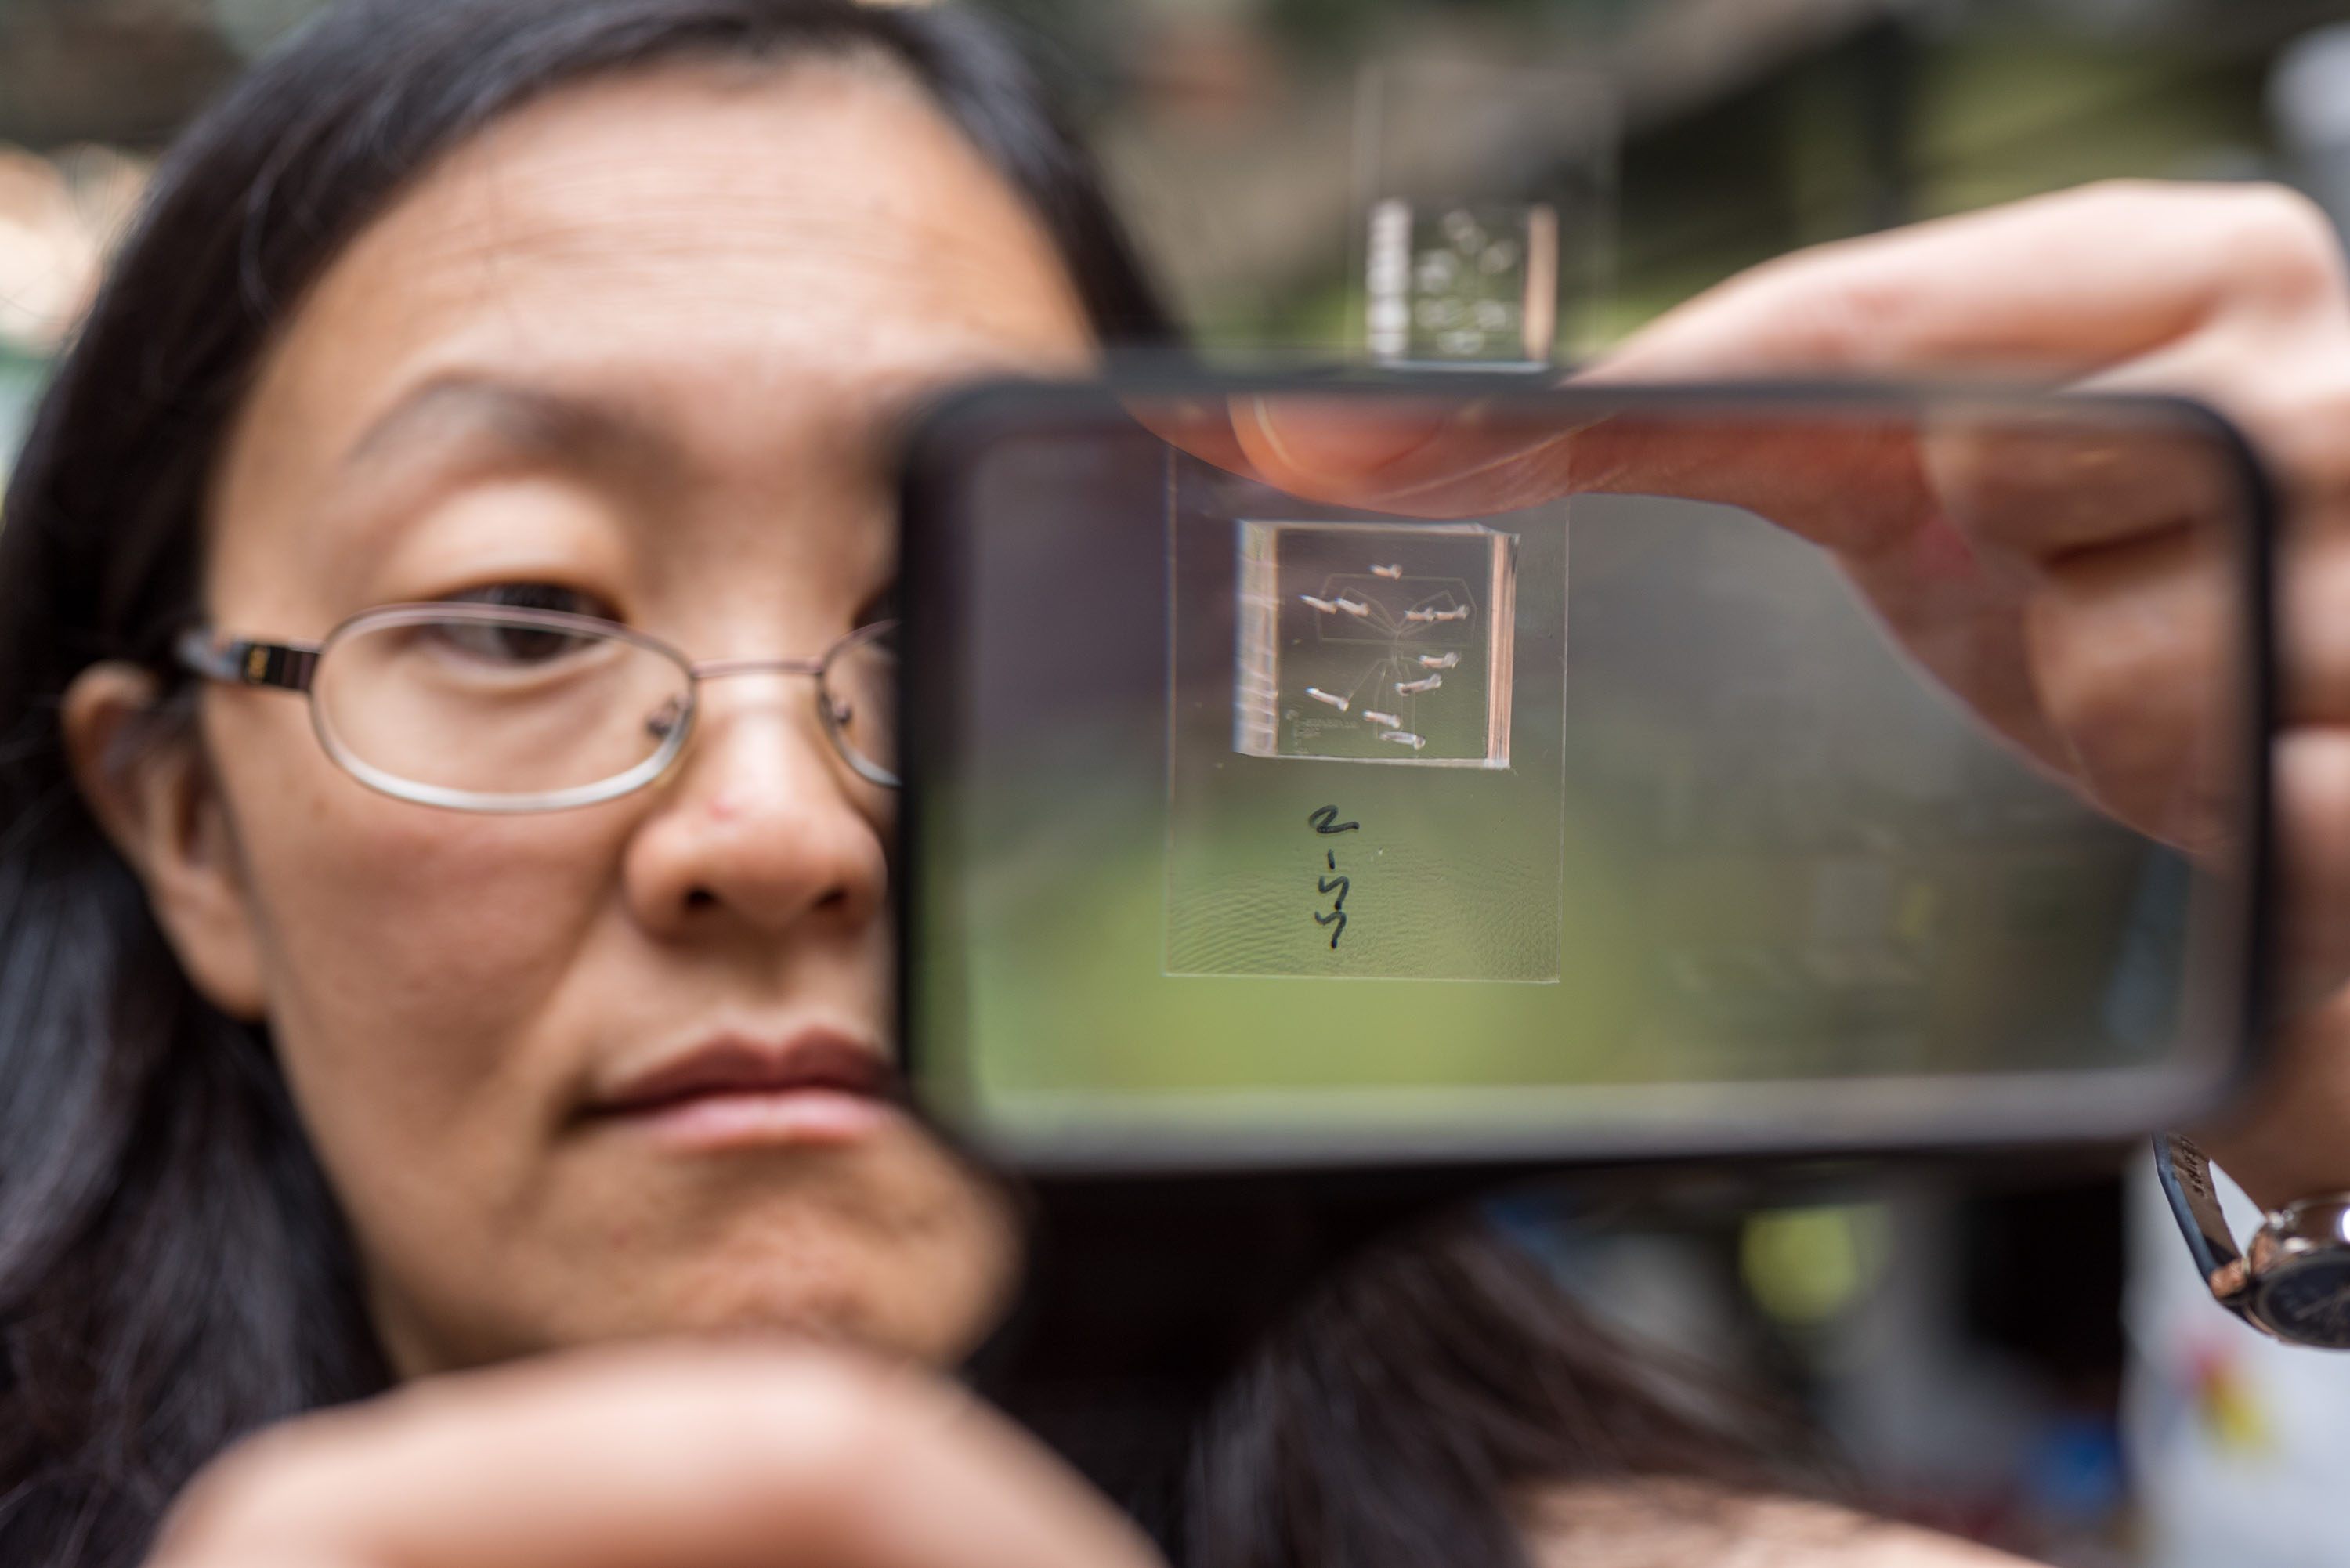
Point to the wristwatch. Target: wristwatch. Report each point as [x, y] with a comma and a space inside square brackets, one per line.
[2293, 1282]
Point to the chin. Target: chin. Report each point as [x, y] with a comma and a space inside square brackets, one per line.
[909, 1307]
[895, 1247]
[907, 1268]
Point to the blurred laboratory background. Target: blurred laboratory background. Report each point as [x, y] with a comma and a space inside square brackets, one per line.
[2021, 1358]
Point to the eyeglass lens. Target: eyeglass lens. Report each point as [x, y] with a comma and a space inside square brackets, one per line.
[860, 698]
[513, 708]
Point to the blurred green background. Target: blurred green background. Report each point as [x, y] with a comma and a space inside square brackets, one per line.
[1745, 128]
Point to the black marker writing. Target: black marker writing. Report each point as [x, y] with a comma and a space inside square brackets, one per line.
[1325, 821]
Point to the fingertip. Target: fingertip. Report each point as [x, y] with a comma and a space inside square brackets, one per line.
[1334, 444]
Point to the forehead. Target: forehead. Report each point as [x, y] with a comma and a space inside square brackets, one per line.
[828, 202]
[780, 248]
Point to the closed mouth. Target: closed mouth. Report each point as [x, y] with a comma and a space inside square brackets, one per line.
[732, 1066]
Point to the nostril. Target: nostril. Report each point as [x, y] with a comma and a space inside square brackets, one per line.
[701, 899]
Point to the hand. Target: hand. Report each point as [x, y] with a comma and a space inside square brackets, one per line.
[2076, 633]
[679, 1457]
[1659, 1520]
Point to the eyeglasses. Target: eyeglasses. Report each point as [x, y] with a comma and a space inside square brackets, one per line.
[484, 707]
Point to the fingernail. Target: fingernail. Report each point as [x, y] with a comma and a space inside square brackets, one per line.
[1336, 439]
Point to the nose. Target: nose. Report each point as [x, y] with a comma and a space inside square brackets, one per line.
[761, 826]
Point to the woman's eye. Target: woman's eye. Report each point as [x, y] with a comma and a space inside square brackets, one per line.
[535, 597]
[520, 642]
[510, 644]
[882, 606]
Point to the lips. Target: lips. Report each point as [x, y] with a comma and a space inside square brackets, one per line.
[816, 1087]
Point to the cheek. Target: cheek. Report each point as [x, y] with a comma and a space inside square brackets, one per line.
[406, 951]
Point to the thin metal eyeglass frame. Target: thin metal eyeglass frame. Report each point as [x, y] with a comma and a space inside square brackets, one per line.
[294, 667]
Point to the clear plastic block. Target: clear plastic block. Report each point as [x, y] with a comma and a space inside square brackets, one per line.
[1378, 644]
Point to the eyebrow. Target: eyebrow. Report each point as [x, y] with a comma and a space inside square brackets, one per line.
[530, 421]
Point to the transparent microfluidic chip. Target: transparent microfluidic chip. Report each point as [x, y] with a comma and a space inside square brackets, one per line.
[1366, 763]
[1379, 644]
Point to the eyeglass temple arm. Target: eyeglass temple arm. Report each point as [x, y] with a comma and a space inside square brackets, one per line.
[2186, 1174]
[245, 662]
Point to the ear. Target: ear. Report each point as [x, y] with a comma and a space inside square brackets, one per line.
[152, 792]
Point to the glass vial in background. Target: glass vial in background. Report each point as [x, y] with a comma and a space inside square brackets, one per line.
[1461, 282]
[2309, 108]
[1487, 198]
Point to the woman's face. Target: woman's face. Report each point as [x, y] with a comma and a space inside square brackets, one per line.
[642, 342]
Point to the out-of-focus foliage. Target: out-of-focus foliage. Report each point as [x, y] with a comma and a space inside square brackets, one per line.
[1747, 129]
[1227, 125]
[59, 216]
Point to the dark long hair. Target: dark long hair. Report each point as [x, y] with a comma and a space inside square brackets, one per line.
[173, 1271]
[1411, 1412]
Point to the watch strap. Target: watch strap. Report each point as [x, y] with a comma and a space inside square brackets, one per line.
[2185, 1172]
